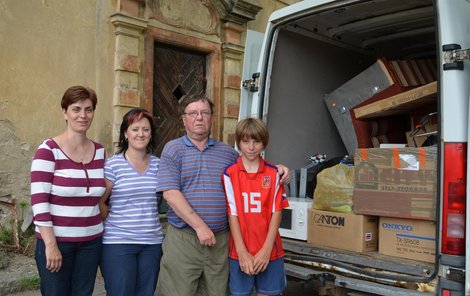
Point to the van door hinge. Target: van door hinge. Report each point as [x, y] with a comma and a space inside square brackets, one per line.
[454, 56]
[253, 83]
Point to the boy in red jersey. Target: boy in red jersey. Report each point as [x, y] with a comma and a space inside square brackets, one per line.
[255, 200]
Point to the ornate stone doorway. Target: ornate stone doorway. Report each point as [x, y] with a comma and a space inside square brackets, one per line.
[211, 29]
[176, 72]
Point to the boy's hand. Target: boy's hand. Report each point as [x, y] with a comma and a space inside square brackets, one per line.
[261, 260]
[246, 262]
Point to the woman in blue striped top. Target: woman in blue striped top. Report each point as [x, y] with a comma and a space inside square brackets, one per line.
[133, 234]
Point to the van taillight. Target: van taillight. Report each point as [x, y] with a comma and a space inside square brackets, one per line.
[454, 193]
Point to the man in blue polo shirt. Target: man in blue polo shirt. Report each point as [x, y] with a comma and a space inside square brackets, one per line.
[190, 176]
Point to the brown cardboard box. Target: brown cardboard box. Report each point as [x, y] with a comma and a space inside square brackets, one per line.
[395, 182]
[412, 239]
[346, 231]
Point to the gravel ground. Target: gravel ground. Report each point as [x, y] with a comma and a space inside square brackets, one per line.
[20, 267]
[15, 270]
[23, 266]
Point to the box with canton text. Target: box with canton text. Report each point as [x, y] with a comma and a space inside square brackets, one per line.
[331, 229]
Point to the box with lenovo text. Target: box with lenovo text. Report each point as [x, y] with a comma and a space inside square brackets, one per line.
[331, 229]
[405, 238]
[396, 182]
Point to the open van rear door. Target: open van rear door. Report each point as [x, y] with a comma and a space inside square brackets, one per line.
[452, 26]
[454, 40]
[250, 65]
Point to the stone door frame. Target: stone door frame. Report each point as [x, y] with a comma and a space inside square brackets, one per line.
[134, 48]
[213, 64]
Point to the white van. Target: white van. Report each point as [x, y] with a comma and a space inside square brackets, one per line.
[312, 48]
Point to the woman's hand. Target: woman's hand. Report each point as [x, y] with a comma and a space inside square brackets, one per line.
[104, 210]
[103, 204]
[53, 254]
[53, 258]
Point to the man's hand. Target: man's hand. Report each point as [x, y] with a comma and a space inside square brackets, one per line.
[284, 172]
[183, 209]
[205, 235]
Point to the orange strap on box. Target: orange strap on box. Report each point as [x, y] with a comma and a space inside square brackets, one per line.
[396, 158]
[422, 156]
[364, 154]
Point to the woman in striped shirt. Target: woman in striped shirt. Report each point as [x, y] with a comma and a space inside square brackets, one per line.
[67, 182]
[133, 236]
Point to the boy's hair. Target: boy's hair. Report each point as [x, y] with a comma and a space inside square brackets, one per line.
[253, 128]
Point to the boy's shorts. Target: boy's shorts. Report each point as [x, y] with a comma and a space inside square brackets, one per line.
[272, 281]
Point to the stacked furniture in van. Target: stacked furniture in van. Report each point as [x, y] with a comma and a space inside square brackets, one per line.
[386, 118]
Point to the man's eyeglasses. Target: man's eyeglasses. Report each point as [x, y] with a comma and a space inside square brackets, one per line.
[194, 114]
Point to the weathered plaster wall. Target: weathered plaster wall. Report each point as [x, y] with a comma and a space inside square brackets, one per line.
[47, 46]
[15, 153]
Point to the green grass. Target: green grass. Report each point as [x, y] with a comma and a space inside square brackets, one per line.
[6, 236]
[29, 282]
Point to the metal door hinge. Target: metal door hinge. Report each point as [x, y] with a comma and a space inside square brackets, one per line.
[454, 56]
[253, 83]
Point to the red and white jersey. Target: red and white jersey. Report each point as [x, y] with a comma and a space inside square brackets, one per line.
[253, 198]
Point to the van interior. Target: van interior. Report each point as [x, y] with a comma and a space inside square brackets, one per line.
[313, 55]
[323, 50]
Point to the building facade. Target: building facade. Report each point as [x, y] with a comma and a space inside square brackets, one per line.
[134, 53]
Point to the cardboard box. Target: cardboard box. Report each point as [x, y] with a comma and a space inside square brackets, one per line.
[346, 231]
[396, 182]
[404, 238]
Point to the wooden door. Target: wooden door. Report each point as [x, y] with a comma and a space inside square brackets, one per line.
[177, 72]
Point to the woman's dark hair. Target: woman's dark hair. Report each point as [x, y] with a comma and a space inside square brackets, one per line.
[129, 118]
[78, 93]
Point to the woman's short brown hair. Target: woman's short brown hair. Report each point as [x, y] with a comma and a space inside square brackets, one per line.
[78, 93]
